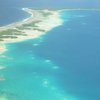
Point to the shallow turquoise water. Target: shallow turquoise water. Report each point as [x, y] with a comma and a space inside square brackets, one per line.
[62, 65]
[75, 48]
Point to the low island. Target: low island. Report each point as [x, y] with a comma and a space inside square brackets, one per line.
[36, 25]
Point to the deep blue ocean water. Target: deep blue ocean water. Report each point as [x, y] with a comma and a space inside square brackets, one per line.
[62, 65]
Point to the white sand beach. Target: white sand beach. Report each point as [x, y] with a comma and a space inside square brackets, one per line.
[42, 20]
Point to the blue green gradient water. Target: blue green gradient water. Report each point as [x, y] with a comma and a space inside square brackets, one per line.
[62, 65]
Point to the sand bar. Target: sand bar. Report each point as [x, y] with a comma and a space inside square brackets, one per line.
[38, 24]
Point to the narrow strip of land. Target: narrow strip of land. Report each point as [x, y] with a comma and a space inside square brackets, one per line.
[36, 25]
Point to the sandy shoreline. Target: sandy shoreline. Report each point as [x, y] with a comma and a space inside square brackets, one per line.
[40, 22]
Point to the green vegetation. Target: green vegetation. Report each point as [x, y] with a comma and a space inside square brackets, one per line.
[28, 26]
[45, 14]
[39, 29]
[12, 33]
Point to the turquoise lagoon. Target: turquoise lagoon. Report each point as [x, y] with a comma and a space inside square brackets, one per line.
[61, 65]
